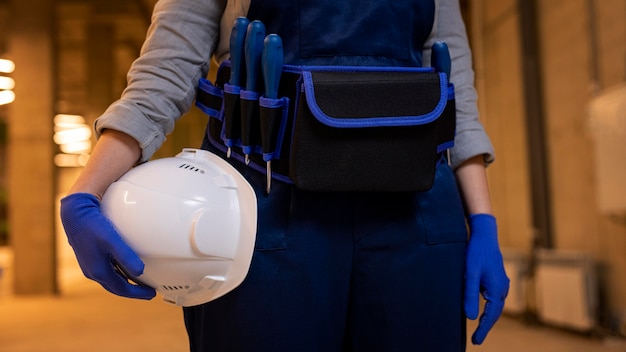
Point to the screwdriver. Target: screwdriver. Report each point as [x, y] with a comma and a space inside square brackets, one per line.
[440, 58]
[272, 62]
[237, 39]
[253, 51]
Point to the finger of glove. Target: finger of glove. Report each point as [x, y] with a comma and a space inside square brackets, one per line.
[491, 314]
[119, 285]
[133, 291]
[99, 267]
[97, 244]
[110, 241]
[106, 274]
[123, 254]
[89, 232]
[96, 252]
[472, 295]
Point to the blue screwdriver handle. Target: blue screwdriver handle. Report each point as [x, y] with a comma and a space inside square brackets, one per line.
[253, 50]
[272, 61]
[440, 58]
[237, 40]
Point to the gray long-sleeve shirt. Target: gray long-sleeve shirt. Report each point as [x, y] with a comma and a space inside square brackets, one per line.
[185, 34]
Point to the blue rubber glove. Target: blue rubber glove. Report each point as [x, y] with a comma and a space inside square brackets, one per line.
[484, 274]
[99, 248]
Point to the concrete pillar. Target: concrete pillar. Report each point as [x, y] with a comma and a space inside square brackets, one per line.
[31, 171]
[100, 69]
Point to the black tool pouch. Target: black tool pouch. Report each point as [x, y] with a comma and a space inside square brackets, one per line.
[373, 129]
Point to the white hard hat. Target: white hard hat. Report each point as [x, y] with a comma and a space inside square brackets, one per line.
[191, 219]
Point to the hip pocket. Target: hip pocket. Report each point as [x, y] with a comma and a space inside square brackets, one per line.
[442, 210]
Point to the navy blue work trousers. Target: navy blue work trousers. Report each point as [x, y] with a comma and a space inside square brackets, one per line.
[345, 272]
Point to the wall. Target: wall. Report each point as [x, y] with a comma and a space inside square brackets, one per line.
[30, 168]
[582, 51]
[571, 55]
[497, 62]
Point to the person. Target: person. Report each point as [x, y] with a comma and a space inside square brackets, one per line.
[331, 271]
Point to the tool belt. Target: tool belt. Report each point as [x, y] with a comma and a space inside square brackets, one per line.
[337, 128]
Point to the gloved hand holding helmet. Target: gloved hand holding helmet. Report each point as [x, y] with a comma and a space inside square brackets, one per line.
[99, 249]
[192, 221]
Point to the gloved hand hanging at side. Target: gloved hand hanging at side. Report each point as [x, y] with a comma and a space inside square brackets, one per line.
[484, 274]
[99, 248]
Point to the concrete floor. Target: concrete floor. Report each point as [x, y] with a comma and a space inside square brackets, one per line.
[87, 318]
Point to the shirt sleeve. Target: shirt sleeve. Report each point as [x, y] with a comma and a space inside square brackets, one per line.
[471, 139]
[162, 82]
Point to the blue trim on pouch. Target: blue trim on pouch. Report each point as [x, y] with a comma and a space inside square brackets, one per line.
[316, 110]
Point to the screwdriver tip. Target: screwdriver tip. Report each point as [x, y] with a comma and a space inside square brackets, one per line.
[268, 179]
[228, 152]
[247, 159]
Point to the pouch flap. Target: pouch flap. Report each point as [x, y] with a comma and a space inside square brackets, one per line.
[355, 97]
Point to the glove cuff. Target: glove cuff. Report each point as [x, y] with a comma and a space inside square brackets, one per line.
[481, 218]
[81, 198]
[483, 224]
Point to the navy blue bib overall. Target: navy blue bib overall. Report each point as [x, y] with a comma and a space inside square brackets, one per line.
[346, 271]
[372, 33]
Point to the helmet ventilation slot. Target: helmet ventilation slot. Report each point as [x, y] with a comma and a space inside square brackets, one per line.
[174, 288]
[190, 167]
